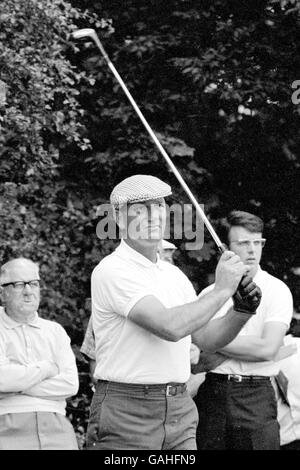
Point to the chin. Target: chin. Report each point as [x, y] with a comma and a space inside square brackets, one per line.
[253, 270]
[152, 240]
[32, 308]
[153, 236]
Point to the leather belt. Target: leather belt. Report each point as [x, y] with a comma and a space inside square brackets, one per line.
[169, 389]
[236, 377]
[172, 390]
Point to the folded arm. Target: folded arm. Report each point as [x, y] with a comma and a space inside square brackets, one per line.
[60, 387]
[65, 383]
[257, 348]
[17, 377]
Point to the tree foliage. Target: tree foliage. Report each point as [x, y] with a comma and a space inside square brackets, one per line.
[40, 125]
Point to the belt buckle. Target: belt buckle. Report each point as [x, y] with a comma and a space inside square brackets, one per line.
[235, 377]
[170, 391]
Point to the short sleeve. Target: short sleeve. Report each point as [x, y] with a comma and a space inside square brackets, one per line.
[280, 305]
[117, 290]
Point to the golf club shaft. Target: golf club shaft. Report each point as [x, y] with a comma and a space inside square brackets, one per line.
[158, 144]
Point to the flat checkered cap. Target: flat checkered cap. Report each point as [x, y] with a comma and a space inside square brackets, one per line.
[138, 188]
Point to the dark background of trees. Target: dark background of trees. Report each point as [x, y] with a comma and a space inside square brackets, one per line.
[214, 81]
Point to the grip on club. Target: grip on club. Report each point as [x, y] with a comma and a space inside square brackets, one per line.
[243, 277]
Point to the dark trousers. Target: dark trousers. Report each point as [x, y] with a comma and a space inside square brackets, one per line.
[141, 417]
[237, 415]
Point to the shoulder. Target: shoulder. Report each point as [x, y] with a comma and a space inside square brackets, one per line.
[112, 263]
[105, 263]
[277, 285]
[171, 268]
[52, 326]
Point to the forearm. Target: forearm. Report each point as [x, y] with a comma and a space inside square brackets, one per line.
[217, 333]
[183, 320]
[62, 386]
[251, 349]
[18, 377]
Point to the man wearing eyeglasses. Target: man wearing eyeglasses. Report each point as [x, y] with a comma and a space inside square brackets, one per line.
[37, 367]
[236, 403]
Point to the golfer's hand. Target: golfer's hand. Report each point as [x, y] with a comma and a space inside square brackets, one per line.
[194, 383]
[229, 272]
[194, 354]
[208, 361]
[247, 296]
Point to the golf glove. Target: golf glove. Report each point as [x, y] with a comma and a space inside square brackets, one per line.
[247, 296]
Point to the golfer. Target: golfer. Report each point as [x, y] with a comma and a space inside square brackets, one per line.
[144, 312]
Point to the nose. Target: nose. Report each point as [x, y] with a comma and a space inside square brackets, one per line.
[251, 247]
[27, 289]
[155, 214]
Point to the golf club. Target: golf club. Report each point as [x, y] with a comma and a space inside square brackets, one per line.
[90, 33]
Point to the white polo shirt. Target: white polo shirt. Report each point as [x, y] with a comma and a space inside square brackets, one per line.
[126, 352]
[276, 306]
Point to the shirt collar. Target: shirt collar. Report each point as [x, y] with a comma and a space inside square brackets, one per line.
[10, 323]
[259, 275]
[127, 252]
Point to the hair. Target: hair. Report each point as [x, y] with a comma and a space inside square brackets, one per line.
[250, 222]
[4, 270]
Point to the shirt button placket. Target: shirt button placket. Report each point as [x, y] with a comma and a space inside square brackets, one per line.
[27, 341]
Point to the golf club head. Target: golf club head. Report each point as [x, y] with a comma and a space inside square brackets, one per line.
[91, 34]
[84, 33]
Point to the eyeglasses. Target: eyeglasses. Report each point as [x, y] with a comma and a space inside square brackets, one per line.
[20, 285]
[247, 243]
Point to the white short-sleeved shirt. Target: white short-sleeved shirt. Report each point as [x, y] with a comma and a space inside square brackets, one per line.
[276, 306]
[126, 352]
